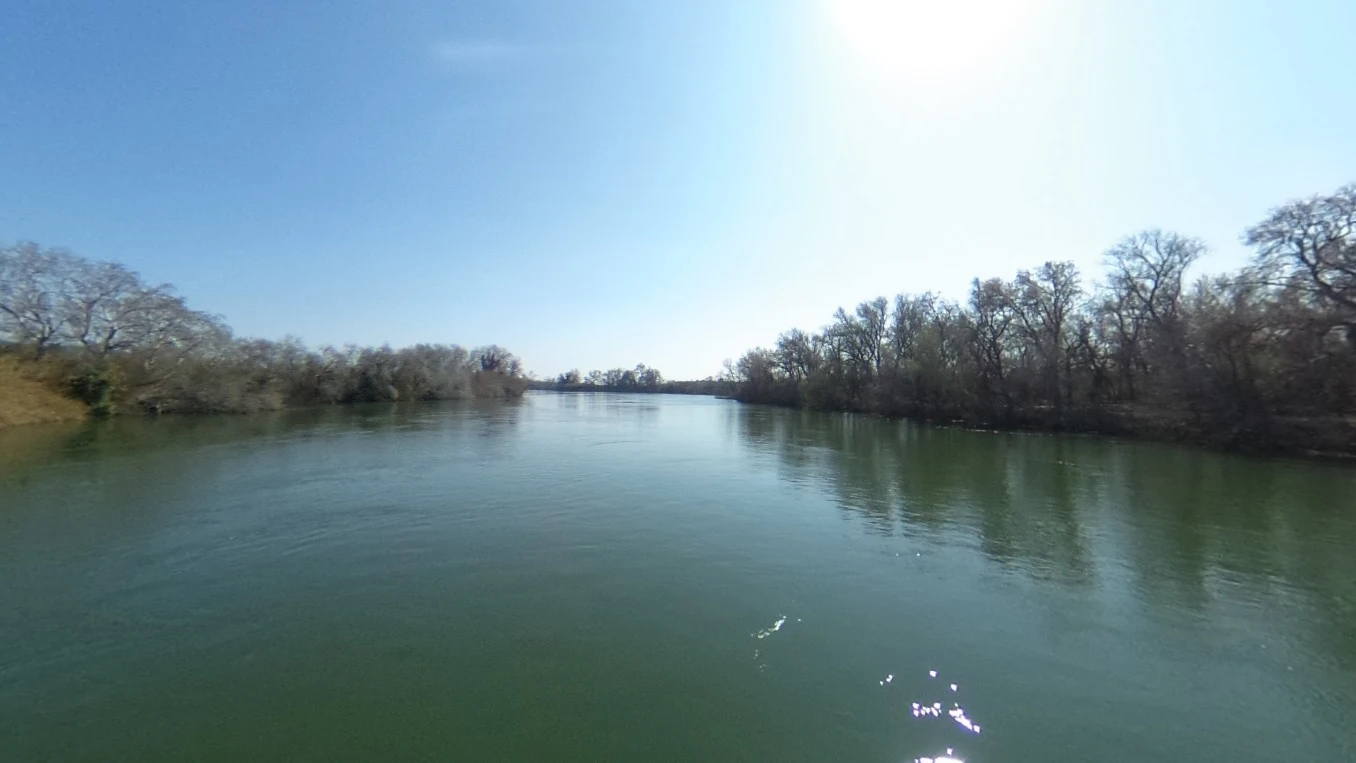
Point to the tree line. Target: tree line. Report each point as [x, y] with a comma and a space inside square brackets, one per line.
[96, 332]
[640, 379]
[1262, 357]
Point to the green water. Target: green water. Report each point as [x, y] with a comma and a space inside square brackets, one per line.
[587, 577]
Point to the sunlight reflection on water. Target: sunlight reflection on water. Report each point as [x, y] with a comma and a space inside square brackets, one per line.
[764, 633]
[934, 710]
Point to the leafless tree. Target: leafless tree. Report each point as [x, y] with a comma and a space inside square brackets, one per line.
[1231, 356]
[496, 358]
[1044, 303]
[33, 282]
[1313, 242]
[991, 319]
[797, 354]
[1146, 277]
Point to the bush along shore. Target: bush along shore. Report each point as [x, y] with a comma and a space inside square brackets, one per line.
[1261, 359]
[640, 379]
[79, 336]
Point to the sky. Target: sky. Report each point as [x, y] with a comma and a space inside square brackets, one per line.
[601, 183]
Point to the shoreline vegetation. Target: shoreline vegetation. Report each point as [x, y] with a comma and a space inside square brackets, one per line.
[641, 379]
[80, 337]
[1262, 359]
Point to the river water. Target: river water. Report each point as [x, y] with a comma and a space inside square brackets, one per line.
[578, 577]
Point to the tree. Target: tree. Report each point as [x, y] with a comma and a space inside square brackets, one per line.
[120, 342]
[757, 373]
[1227, 330]
[1147, 271]
[908, 322]
[990, 321]
[1245, 355]
[1312, 241]
[1311, 244]
[798, 354]
[1044, 303]
[647, 378]
[33, 282]
[872, 326]
[496, 358]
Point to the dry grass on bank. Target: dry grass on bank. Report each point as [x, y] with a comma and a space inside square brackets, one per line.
[25, 400]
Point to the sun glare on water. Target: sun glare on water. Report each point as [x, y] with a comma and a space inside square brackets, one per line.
[931, 41]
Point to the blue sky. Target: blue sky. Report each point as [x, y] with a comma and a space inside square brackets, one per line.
[601, 183]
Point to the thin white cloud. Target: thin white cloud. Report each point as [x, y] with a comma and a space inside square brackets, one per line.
[464, 52]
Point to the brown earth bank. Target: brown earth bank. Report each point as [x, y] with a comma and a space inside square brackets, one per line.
[28, 400]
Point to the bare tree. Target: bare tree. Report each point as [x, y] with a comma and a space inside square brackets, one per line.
[1312, 243]
[991, 318]
[1044, 303]
[797, 354]
[1147, 271]
[648, 378]
[1236, 358]
[873, 326]
[496, 358]
[908, 321]
[33, 281]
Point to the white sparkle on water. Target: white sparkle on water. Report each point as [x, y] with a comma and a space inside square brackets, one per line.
[957, 713]
[775, 627]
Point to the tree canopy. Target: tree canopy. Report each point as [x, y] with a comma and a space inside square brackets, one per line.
[1231, 355]
[99, 333]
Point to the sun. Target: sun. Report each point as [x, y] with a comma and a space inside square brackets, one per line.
[931, 41]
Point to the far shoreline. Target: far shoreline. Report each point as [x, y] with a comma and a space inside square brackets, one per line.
[1283, 439]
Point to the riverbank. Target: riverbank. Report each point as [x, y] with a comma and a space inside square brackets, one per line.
[38, 393]
[695, 387]
[26, 400]
[1331, 437]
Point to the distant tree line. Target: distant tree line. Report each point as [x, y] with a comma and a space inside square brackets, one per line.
[640, 379]
[98, 333]
[1263, 357]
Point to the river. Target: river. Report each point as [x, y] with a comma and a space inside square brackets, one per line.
[588, 577]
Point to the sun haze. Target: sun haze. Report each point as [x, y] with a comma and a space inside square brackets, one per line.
[934, 43]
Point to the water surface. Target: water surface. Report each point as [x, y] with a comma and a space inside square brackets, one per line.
[578, 577]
